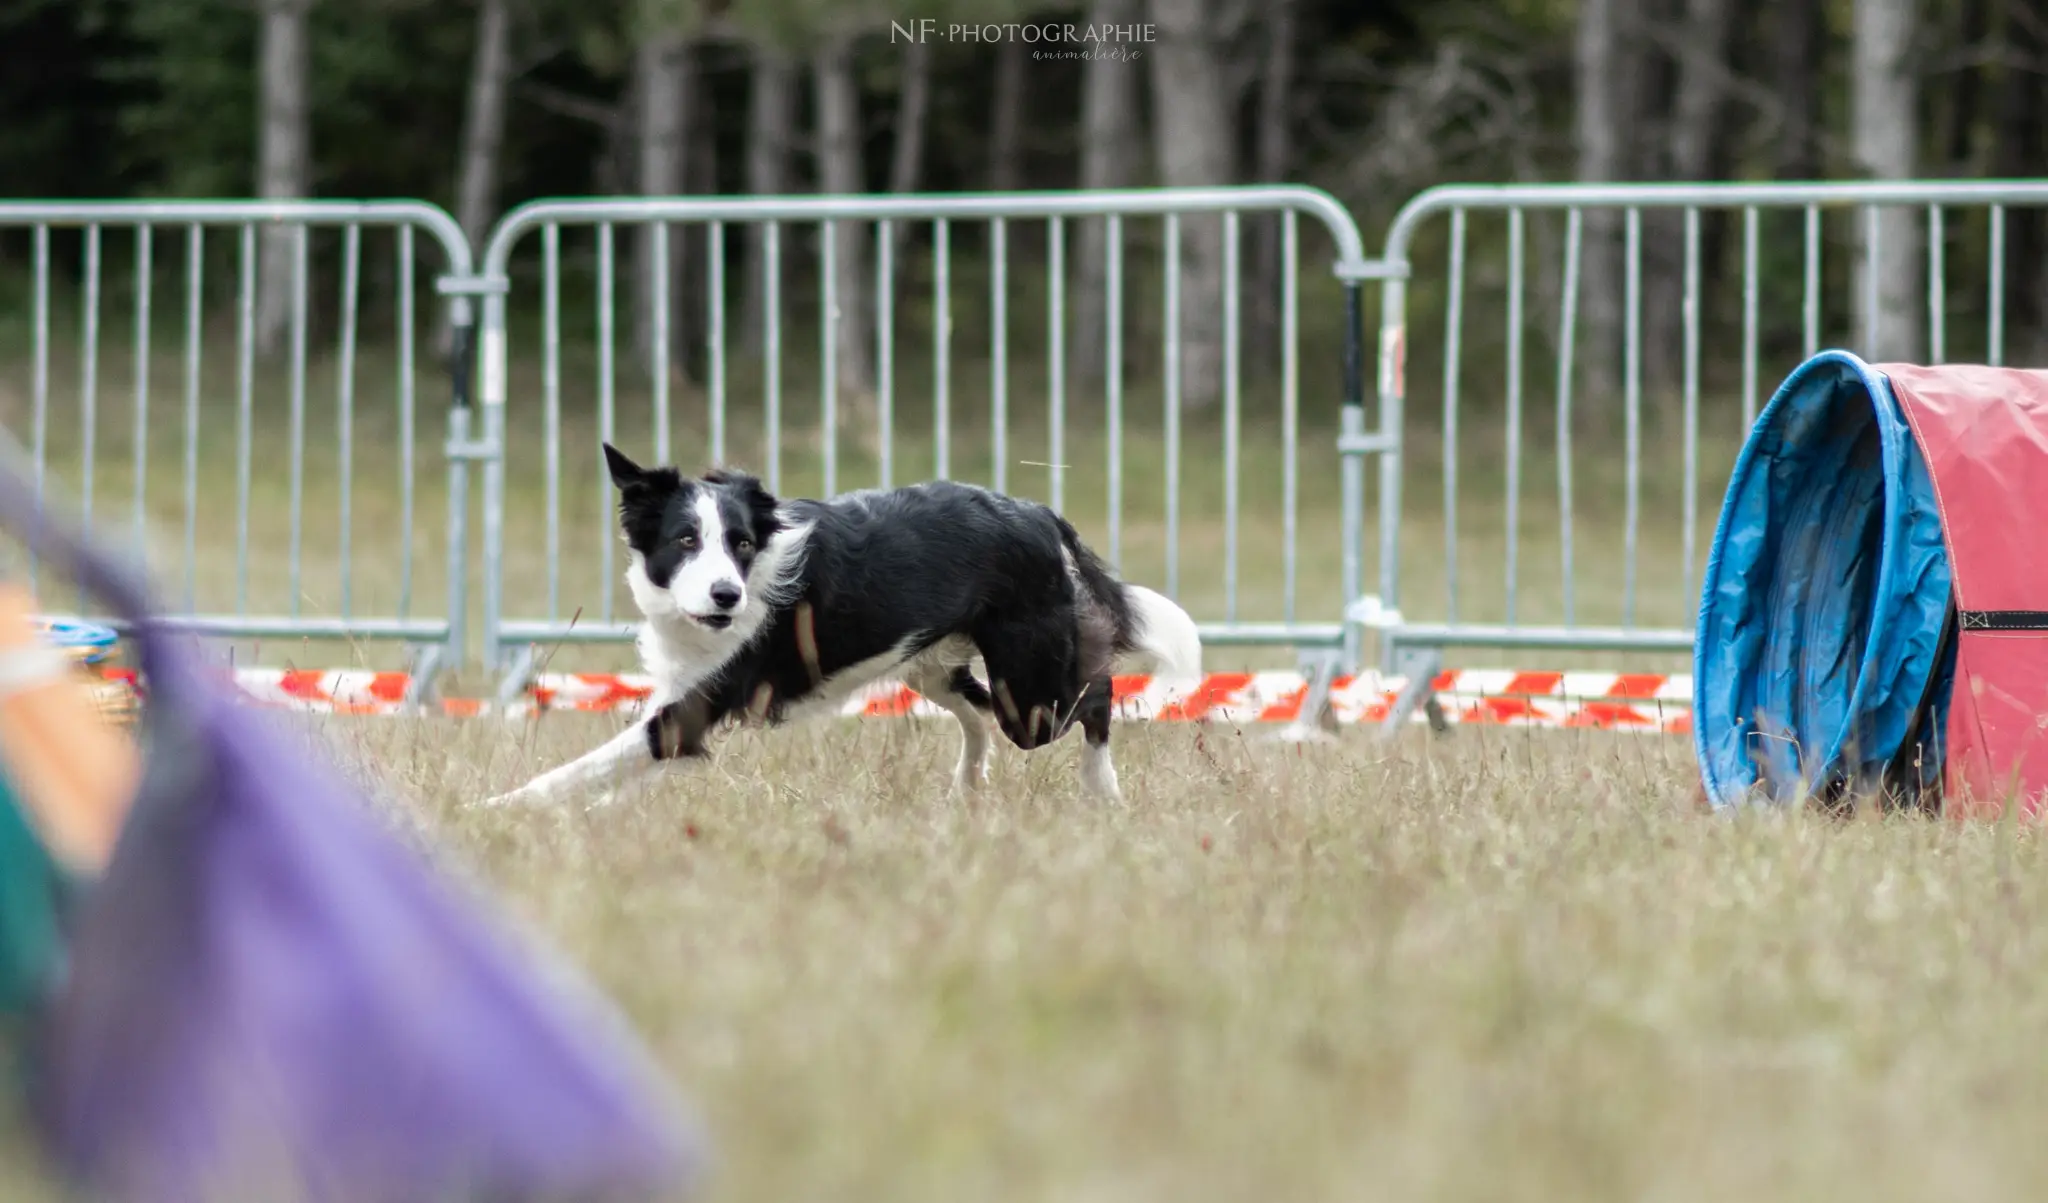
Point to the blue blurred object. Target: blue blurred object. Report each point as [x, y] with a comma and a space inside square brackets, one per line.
[84, 642]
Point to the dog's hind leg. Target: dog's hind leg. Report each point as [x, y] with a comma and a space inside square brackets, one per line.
[1093, 712]
[959, 693]
[674, 729]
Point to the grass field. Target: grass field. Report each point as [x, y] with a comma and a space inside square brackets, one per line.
[1489, 967]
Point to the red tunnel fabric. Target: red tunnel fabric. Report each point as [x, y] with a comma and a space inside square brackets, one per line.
[1984, 435]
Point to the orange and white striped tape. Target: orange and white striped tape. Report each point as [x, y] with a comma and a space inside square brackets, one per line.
[1494, 697]
[1484, 697]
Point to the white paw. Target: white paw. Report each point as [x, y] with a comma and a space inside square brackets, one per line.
[969, 778]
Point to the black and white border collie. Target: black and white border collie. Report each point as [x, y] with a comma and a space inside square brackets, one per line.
[769, 611]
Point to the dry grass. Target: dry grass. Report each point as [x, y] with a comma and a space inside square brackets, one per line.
[1496, 966]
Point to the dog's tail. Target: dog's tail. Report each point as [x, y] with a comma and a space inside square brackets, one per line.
[1161, 634]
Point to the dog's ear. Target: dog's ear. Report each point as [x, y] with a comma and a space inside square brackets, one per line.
[625, 473]
[760, 503]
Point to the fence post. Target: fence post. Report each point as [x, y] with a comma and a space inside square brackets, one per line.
[461, 369]
[1352, 479]
[494, 354]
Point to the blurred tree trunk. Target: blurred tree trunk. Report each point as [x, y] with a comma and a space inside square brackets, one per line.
[662, 70]
[1006, 121]
[1109, 136]
[771, 129]
[1800, 58]
[700, 169]
[1886, 129]
[1601, 133]
[906, 156]
[1193, 133]
[483, 121]
[483, 136]
[838, 143]
[1275, 159]
[1691, 149]
[1963, 111]
[1697, 127]
[2020, 150]
[285, 158]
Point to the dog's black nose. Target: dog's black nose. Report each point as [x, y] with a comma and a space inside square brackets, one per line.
[725, 595]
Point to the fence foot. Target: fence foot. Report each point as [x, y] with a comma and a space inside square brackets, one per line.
[518, 675]
[1317, 721]
[423, 683]
[1420, 667]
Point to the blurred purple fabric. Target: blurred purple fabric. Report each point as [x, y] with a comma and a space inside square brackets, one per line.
[270, 997]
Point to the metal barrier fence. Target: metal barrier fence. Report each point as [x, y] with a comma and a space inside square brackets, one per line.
[226, 468]
[518, 617]
[1414, 648]
[262, 480]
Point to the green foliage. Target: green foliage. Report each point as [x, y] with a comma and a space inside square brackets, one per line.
[387, 78]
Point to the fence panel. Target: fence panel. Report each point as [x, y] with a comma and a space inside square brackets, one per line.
[1662, 313]
[258, 434]
[826, 349]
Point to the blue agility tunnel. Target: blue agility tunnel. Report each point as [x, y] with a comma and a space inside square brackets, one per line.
[1822, 662]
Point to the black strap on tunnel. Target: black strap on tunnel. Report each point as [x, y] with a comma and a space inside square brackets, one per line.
[2005, 620]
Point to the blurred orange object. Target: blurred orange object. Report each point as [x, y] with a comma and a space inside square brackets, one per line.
[76, 772]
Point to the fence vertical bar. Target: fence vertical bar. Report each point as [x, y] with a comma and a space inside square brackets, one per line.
[1454, 338]
[1290, 411]
[1056, 354]
[1632, 400]
[885, 344]
[300, 286]
[658, 346]
[1393, 314]
[88, 379]
[1172, 402]
[1567, 346]
[1750, 287]
[39, 386]
[478, 366]
[408, 433]
[1516, 237]
[942, 342]
[1809, 304]
[551, 403]
[771, 349]
[1113, 378]
[1937, 322]
[1691, 450]
[88, 387]
[1871, 253]
[1994, 336]
[828, 352]
[245, 400]
[195, 322]
[999, 347]
[1231, 416]
[345, 404]
[139, 451]
[714, 336]
[607, 412]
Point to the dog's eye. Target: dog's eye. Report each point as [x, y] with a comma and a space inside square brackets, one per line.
[743, 546]
[689, 542]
